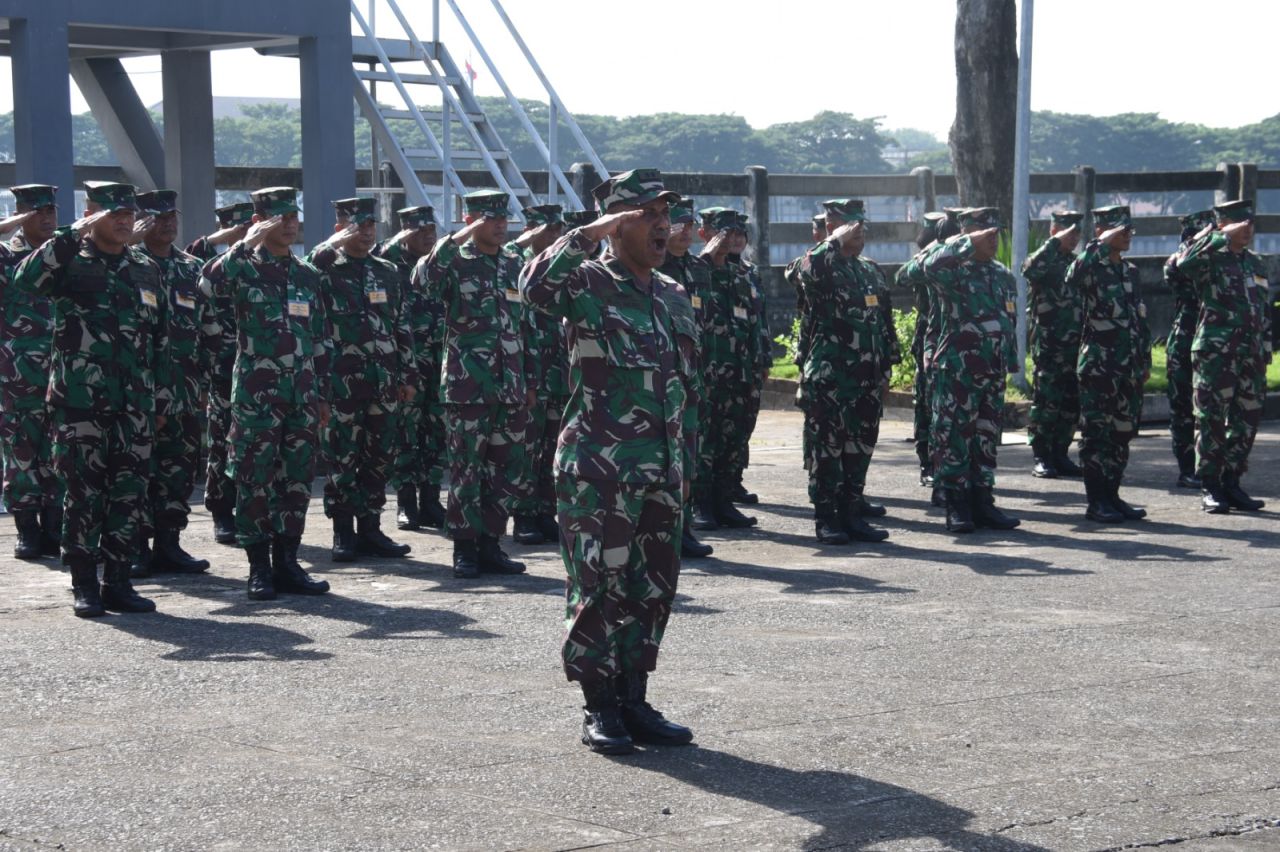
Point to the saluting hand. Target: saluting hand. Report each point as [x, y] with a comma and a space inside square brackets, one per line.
[985, 243]
[140, 229]
[1235, 228]
[1108, 236]
[82, 225]
[526, 239]
[607, 225]
[227, 235]
[1069, 239]
[15, 221]
[849, 232]
[714, 244]
[259, 230]
[461, 236]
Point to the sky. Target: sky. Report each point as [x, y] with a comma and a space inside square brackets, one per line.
[777, 62]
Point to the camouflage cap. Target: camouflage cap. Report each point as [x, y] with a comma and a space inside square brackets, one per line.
[579, 218]
[420, 216]
[158, 201]
[726, 220]
[35, 195]
[846, 209]
[1114, 216]
[356, 210]
[636, 187]
[979, 217]
[1197, 220]
[275, 201]
[953, 214]
[1234, 211]
[706, 214]
[681, 211]
[929, 225]
[1066, 218]
[489, 203]
[109, 195]
[543, 214]
[233, 215]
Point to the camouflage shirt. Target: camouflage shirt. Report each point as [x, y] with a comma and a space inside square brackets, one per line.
[424, 315]
[1114, 338]
[1186, 299]
[201, 249]
[924, 343]
[485, 361]
[1053, 308]
[1235, 297]
[792, 276]
[195, 335]
[693, 274]
[372, 339]
[975, 304]
[26, 334]
[545, 340]
[731, 334]
[283, 350]
[109, 350]
[624, 421]
[764, 346]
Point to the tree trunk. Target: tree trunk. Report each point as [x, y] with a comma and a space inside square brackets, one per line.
[986, 103]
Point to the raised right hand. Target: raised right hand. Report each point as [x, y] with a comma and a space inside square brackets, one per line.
[82, 225]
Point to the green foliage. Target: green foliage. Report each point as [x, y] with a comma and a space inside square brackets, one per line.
[790, 342]
[903, 376]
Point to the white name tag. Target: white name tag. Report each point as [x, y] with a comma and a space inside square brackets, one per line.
[148, 298]
[1142, 311]
[513, 295]
[739, 313]
[697, 302]
[187, 302]
[1258, 281]
[299, 309]
[377, 297]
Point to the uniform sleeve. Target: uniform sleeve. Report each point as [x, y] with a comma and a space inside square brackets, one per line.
[1040, 265]
[209, 351]
[762, 321]
[1196, 259]
[1011, 340]
[942, 266]
[886, 308]
[437, 266]
[42, 270]
[548, 283]
[163, 370]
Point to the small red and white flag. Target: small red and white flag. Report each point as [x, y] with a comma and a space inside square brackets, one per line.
[471, 74]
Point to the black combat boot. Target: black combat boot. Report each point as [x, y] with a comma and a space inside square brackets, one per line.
[857, 528]
[926, 476]
[550, 529]
[118, 594]
[1100, 508]
[525, 530]
[865, 508]
[642, 721]
[493, 560]
[1213, 499]
[28, 545]
[602, 728]
[1131, 513]
[169, 555]
[727, 515]
[829, 527]
[987, 514]
[1062, 461]
[262, 584]
[224, 525]
[1236, 496]
[691, 548]
[704, 515]
[739, 494]
[344, 539]
[1045, 466]
[372, 541]
[51, 529]
[1187, 471]
[430, 512]
[407, 508]
[287, 573]
[939, 496]
[959, 510]
[141, 565]
[466, 562]
[84, 587]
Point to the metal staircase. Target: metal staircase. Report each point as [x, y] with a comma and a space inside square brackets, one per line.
[458, 134]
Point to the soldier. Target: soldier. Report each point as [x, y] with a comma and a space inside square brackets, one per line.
[374, 370]
[485, 382]
[279, 391]
[194, 340]
[852, 347]
[1115, 360]
[418, 467]
[535, 508]
[929, 230]
[1053, 309]
[791, 276]
[694, 275]
[621, 457]
[974, 297]
[32, 491]
[1181, 387]
[1229, 355]
[764, 349]
[108, 358]
[731, 355]
[233, 223]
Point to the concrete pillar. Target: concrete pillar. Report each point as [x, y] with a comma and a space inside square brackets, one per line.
[1230, 185]
[188, 139]
[583, 178]
[758, 213]
[1248, 190]
[328, 130]
[42, 102]
[1084, 197]
[925, 190]
[123, 118]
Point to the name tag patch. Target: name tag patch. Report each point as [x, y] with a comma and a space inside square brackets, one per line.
[697, 302]
[187, 302]
[1142, 311]
[149, 298]
[299, 309]
[1258, 281]
[513, 295]
[873, 301]
[1009, 306]
[739, 313]
[377, 297]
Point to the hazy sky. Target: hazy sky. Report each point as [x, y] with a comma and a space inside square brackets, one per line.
[773, 62]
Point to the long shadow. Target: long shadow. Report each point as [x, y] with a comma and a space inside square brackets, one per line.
[985, 562]
[206, 640]
[683, 606]
[320, 563]
[851, 811]
[804, 581]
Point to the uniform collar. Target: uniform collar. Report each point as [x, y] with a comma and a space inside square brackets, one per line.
[620, 273]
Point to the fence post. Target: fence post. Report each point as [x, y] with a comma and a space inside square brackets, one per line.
[1229, 184]
[925, 189]
[1248, 183]
[583, 178]
[758, 212]
[1085, 197]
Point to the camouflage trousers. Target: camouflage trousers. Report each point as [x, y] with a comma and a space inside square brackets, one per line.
[359, 446]
[219, 490]
[1229, 390]
[173, 472]
[1055, 401]
[26, 438]
[922, 410]
[420, 454]
[720, 457]
[621, 550]
[272, 461]
[750, 414]
[1181, 393]
[486, 461]
[966, 429]
[1110, 406]
[104, 458]
[844, 433]
[537, 487]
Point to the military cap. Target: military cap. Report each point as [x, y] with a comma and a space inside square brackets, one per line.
[579, 218]
[543, 214]
[1066, 218]
[109, 195]
[929, 225]
[420, 216]
[1113, 217]
[1234, 211]
[706, 214]
[231, 215]
[638, 186]
[35, 195]
[158, 201]
[847, 209]
[819, 219]
[356, 210]
[681, 211]
[489, 203]
[275, 201]
[1193, 223]
[979, 217]
[725, 219]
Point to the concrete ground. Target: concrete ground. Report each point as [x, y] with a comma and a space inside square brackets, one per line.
[1063, 686]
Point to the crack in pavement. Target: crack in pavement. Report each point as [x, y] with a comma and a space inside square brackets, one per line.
[1240, 831]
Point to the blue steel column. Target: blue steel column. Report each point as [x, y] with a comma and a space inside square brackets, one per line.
[42, 102]
[328, 128]
[188, 138]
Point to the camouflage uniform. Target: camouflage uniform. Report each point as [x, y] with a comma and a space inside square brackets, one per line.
[751, 411]
[1182, 331]
[1053, 311]
[1230, 354]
